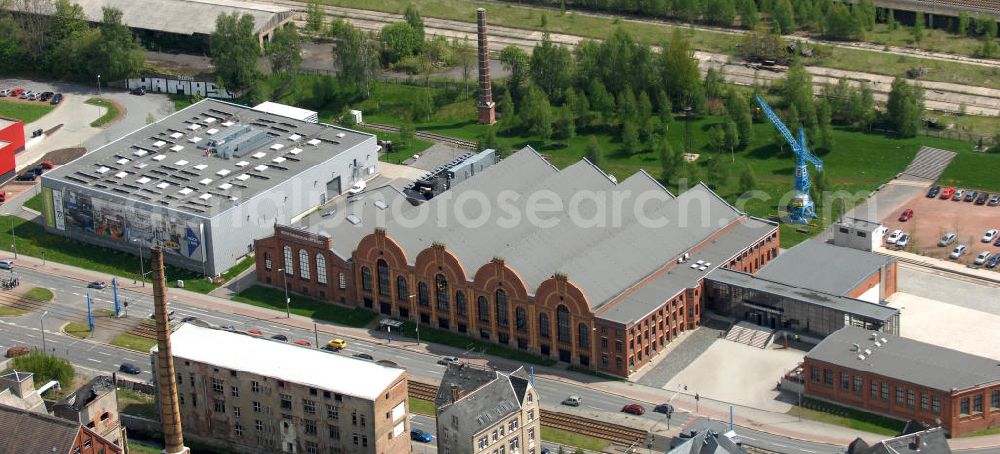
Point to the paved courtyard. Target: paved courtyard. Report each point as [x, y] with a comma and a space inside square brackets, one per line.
[948, 325]
[738, 373]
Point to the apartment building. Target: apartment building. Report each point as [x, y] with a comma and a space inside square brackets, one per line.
[481, 410]
[260, 396]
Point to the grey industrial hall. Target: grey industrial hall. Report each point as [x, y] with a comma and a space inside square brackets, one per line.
[204, 182]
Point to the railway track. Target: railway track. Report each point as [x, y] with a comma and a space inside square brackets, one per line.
[955, 275]
[68, 314]
[428, 136]
[614, 433]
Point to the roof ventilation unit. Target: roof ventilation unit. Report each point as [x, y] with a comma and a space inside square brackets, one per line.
[238, 141]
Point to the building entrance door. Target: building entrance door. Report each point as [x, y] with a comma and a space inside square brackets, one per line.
[564, 355]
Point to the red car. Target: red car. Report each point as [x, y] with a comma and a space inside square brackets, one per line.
[907, 214]
[47, 165]
[255, 332]
[16, 351]
[946, 193]
[634, 409]
[302, 343]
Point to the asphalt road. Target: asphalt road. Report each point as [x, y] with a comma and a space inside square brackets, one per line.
[70, 305]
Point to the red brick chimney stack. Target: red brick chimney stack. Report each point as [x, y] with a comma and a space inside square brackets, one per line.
[170, 415]
[487, 108]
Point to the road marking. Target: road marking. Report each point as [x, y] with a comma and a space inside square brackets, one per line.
[30, 335]
[94, 360]
[103, 353]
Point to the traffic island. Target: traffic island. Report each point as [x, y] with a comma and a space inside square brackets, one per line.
[77, 330]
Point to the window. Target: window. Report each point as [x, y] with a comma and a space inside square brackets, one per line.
[995, 400]
[874, 387]
[267, 261]
[543, 325]
[441, 293]
[354, 417]
[814, 373]
[963, 407]
[521, 319]
[483, 443]
[310, 427]
[911, 398]
[936, 405]
[312, 447]
[483, 309]
[512, 425]
[309, 406]
[531, 434]
[332, 412]
[342, 280]
[423, 295]
[303, 264]
[234, 391]
[254, 386]
[286, 401]
[288, 260]
[827, 377]
[334, 432]
[259, 425]
[219, 405]
[501, 303]
[384, 286]
[194, 400]
[899, 395]
[366, 279]
[236, 412]
[321, 269]
[885, 391]
[402, 293]
[858, 384]
[977, 404]
[217, 385]
[460, 308]
[238, 429]
[256, 407]
[364, 440]
[583, 338]
[845, 381]
[925, 402]
[562, 324]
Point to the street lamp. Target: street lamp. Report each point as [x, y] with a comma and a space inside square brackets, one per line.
[288, 301]
[142, 272]
[687, 129]
[41, 321]
[98, 85]
[13, 238]
[417, 313]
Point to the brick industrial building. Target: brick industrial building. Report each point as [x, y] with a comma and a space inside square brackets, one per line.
[252, 395]
[27, 431]
[905, 379]
[606, 297]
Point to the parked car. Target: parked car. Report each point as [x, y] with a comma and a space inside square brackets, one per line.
[572, 401]
[130, 368]
[17, 350]
[364, 356]
[99, 285]
[357, 188]
[983, 257]
[280, 337]
[989, 236]
[983, 196]
[894, 236]
[995, 200]
[994, 261]
[387, 363]
[255, 332]
[907, 214]
[16, 92]
[666, 409]
[634, 409]
[303, 343]
[56, 99]
[188, 319]
[971, 195]
[997, 242]
[959, 194]
[336, 344]
[25, 94]
[47, 165]
[138, 91]
[6, 264]
[447, 360]
[5, 92]
[420, 435]
[947, 239]
[45, 96]
[946, 193]
[959, 251]
[3, 196]
[903, 240]
[933, 192]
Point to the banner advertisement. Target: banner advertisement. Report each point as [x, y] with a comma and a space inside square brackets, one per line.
[50, 217]
[57, 210]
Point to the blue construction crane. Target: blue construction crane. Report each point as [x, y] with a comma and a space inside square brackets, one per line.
[801, 208]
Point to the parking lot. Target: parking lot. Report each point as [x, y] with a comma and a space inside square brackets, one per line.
[933, 217]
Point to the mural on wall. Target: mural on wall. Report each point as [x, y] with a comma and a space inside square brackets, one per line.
[179, 86]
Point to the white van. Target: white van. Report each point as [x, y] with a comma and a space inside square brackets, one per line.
[6, 264]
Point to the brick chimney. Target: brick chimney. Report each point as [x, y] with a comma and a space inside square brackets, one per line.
[487, 108]
[170, 415]
[20, 384]
[456, 393]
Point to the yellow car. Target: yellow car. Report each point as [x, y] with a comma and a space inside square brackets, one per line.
[336, 344]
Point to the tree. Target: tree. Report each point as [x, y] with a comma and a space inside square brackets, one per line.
[314, 16]
[824, 116]
[842, 25]
[580, 106]
[505, 107]
[630, 138]
[797, 91]
[719, 12]
[45, 368]
[466, 59]
[963, 23]
[593, 153]
[739, 112]
[783, 16]
[421, 105]
[407, 134]
[234, 51]
[748, 181]
[671, 161]
[731, 135]
[904, 108]
[715, 84]
[400, 40]
[918, 27]
[413, 19]
[551, 68]
[600, 100]
[718, 172]
[116, 54]
[564, 127]
[357, 56]
[679, 72]
[748, 14]
[536, 113]
[336, 27]
[488, 140]
[865, 13]
[285, 50]
[517, 62]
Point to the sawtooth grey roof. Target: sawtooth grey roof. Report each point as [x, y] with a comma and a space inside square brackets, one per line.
[654, 292]
[840, 303]
[487, 396]
[372, 208]
[172, 151]
[906, 360]
[185, 17]
[708, 442]
[823, 267]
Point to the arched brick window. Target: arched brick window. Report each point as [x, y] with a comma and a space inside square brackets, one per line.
[288, 261]
[583, 336]
[303, 264]
[366, 278]
[384, 286]
[483, 309]
[267, 261]
[423, 296]
[562, 324]
[521, 319]
[441, 293]
[402, 290]
[321, 269]
[502, 312]
[544, 325]
[460, 307]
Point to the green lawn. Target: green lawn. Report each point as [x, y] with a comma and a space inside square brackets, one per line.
[576, 440]
[653, 32]
[7, 311]
[132, 342]
[439, 336]
[136, 447]
[846, 417]
[240, 267]
[110, 111]
[24, 111]
[35, 203]
[973, 170]
[138, 404]
[78, 330]
[991, 431]
[422, 407]
[40, 294]
[272, 298]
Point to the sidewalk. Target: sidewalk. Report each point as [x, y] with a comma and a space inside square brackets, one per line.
[774, 423]
[941, 265]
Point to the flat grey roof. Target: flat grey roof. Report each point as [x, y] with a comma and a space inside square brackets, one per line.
[836, 302]
[185, 17]
[167, 163]
[906, 359]
[861, 224]
[435, 156]
[823, 267]
[682, 276]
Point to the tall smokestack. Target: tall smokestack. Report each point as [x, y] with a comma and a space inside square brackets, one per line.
[487, 109]
[170, 415]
